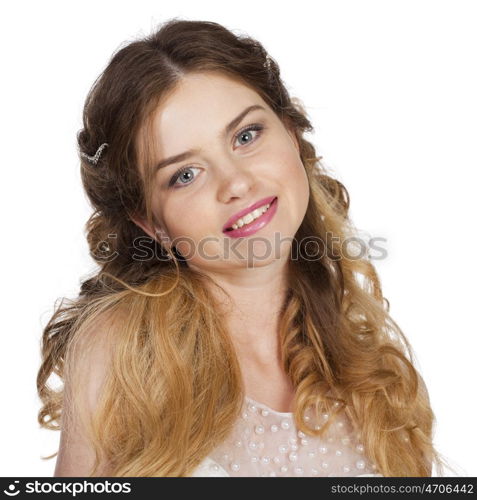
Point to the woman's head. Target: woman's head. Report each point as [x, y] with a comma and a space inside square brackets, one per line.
[245, 154]
[177, 91]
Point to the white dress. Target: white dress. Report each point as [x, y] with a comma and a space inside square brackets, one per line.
[265, 442]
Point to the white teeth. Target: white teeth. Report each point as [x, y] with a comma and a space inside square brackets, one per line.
[247, 219]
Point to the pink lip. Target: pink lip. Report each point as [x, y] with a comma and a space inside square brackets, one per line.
[255, 225]
[245, 211]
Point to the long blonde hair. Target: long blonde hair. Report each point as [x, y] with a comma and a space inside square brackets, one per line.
[173, 388]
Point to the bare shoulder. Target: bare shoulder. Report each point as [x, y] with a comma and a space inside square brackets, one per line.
[85, 373]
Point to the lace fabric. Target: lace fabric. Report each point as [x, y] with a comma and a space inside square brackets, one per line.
[266, 443]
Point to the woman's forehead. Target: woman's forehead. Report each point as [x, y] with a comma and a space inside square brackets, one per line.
[203, 97]
[202, 110]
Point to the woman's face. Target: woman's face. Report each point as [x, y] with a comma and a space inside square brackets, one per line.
[232, 168]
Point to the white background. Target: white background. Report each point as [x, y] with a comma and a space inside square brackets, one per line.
[390, 87]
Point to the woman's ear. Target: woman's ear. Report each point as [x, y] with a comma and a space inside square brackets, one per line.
[157, 232]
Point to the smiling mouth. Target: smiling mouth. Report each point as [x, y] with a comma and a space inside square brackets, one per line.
[254, 219]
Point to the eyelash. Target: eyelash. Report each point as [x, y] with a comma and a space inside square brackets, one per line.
[257, 127]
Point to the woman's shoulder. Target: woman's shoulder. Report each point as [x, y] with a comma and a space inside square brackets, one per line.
[97, 326]
[86, 370]
[90, 354]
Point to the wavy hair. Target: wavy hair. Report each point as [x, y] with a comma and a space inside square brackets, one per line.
[173, 388]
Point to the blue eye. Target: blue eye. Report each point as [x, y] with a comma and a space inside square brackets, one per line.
[256, 127]
[176, 176]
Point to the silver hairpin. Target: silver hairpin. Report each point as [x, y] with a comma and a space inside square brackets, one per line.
[266, 64]
[94, 159]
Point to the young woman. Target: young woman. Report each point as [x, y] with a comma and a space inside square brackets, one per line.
[228, 331]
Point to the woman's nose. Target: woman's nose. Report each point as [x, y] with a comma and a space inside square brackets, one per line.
[235, 180]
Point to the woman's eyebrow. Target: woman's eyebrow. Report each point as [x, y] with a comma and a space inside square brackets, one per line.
[187, 154]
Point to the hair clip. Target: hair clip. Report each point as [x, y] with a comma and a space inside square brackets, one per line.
[94, 159]
[266, 64]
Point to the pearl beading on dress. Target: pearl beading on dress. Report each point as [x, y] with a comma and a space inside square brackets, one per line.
[266, 443]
